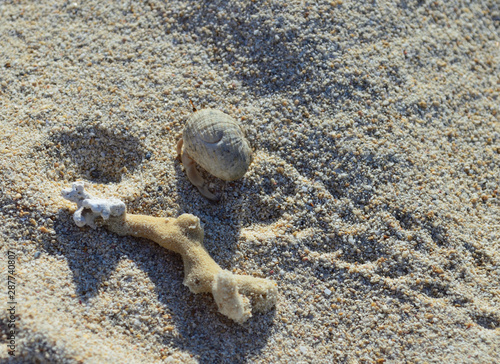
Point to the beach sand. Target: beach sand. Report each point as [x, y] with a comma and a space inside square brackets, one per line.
[372, 200]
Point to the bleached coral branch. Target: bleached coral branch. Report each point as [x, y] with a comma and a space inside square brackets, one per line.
[90, 208]
[237, 296]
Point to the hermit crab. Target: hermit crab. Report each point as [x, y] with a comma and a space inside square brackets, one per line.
[214, 141]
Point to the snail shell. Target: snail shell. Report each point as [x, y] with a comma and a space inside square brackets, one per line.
[216, 142]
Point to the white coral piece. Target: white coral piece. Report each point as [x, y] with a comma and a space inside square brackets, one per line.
[89, 207]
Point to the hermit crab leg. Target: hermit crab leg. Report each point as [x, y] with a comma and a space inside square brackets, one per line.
[179, 146]
[193, 174]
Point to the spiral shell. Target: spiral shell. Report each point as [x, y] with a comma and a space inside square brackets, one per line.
[216, 142]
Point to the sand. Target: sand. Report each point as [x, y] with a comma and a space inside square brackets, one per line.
[373, 198]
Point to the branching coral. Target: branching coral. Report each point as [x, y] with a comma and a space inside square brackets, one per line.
[236, 295]
[90, 208]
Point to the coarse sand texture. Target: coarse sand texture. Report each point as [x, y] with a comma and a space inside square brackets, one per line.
[368, 218]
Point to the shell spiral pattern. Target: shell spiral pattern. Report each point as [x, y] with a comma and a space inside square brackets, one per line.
[216, 142]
